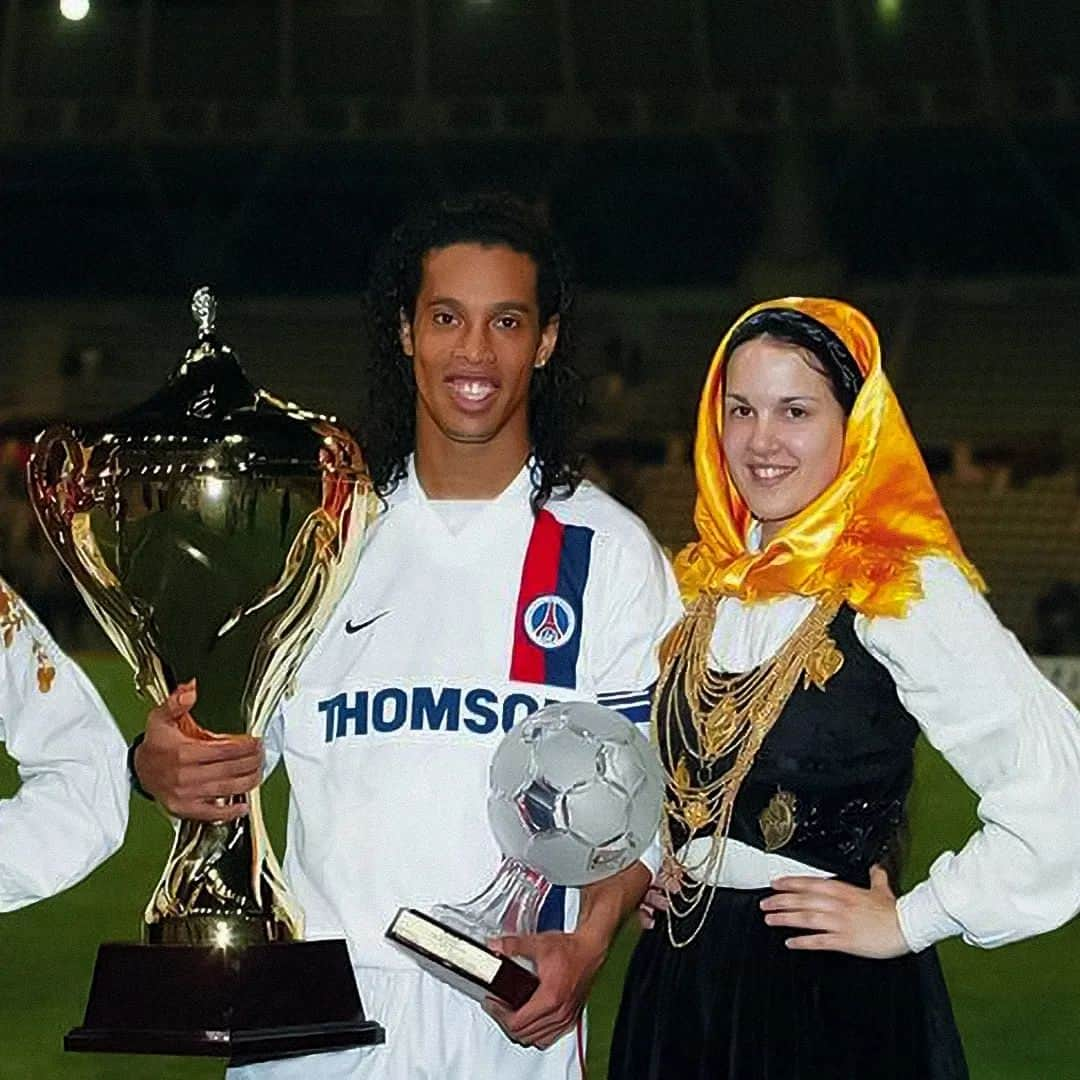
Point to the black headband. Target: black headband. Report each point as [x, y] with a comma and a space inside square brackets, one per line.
[793, 326]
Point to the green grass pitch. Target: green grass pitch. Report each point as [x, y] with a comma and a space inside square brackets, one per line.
[1018, 1007]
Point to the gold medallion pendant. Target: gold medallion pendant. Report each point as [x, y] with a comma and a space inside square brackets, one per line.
[777, 820]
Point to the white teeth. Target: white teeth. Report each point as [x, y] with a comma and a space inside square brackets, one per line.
[768, 472]
[474, 391]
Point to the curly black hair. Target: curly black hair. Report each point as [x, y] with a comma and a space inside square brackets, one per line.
[388, 406]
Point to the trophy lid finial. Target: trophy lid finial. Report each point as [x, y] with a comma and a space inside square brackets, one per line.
[204, 310]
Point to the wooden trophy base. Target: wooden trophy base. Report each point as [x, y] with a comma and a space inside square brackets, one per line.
[467, 965]
[249, 1004]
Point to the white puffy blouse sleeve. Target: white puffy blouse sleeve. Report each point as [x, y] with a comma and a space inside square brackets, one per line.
[1015, 741]
[70, 811]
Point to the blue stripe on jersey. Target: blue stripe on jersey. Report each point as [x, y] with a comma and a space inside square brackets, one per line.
[610, 697]
[553, 911]
[622, 699]
[624, 702]
[636, 714]
[560, 667]
[633, 704]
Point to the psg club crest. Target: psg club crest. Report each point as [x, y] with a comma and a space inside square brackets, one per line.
[549, 621]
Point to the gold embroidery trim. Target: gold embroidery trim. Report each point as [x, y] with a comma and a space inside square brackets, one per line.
[46, 673]
[13, 617]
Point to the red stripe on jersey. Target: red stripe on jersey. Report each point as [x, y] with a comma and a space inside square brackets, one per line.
[539, 577]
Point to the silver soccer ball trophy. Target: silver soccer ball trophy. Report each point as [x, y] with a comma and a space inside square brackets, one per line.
[574, 797]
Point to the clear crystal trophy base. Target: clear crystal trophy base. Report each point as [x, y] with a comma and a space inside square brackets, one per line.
[451, 942]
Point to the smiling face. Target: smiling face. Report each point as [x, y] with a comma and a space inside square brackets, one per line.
[475, 338]
[783, 430]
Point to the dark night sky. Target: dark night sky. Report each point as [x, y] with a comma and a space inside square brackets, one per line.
[985, 194]
[636, 213]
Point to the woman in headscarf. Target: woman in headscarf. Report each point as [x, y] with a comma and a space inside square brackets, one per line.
[832, 615]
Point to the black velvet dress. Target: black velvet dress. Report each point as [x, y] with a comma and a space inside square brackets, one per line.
[735, 1002]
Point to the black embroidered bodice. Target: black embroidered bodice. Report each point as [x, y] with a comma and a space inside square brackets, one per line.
[846, 756]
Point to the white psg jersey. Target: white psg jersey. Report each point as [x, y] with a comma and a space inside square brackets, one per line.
[443, 641]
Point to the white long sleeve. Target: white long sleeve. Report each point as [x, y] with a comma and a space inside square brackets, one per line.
[70, 812]
[1012, 737]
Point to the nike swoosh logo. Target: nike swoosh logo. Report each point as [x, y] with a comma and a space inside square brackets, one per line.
[355, 628]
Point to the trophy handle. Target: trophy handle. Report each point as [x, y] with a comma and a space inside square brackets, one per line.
[62, 500]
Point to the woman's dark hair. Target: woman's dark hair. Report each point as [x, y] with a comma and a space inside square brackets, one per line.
[388, 407]
[796, 328]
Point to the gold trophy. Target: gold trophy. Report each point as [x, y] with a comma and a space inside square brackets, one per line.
[211, 531]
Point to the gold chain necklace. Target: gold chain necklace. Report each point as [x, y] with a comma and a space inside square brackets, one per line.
[718, 723]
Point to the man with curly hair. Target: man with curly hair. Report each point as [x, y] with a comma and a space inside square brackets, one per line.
[496, 580]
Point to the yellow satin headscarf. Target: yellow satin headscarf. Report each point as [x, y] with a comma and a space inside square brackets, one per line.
[862, 537]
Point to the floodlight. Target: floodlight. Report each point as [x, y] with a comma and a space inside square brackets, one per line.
[75, 10]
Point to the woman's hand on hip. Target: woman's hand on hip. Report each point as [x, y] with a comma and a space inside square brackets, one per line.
[841, 917]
